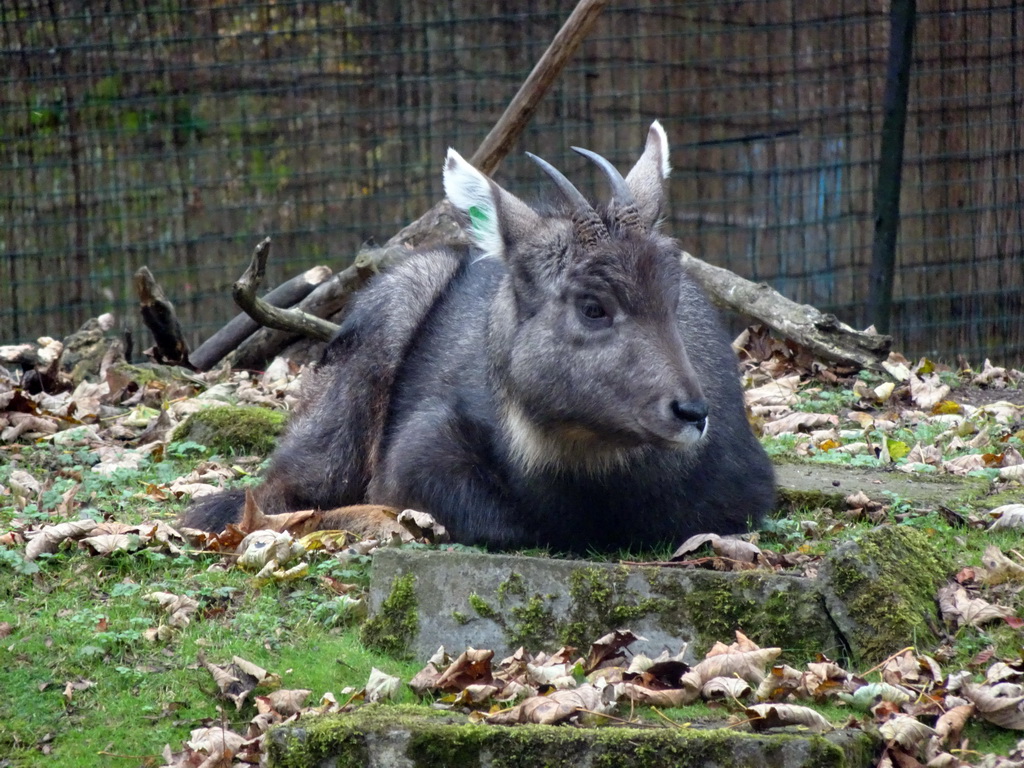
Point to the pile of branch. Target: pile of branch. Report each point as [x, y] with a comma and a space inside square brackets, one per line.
[266, 327]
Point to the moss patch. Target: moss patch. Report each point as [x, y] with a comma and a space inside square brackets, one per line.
[881, 590]
[396, 623]
[427, 738]
[714, 606]
[600, 600]
[232, 429]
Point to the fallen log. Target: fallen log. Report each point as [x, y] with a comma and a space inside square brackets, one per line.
[821, 333]
[241, 327]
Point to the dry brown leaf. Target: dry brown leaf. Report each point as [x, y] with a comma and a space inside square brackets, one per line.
[472, 666]
[1015, 472]
[907, 731]
[381, 686]
[928, 390]
[747, 665]
[736, 549]
[963, 465]
[555, 708]
[1001, 704]
[998, 567]
[765, 716]
[780, 681]
[216, 740]
[49, 538]
[781, 391]
[235, 681]
[1007, 516]
[425, 680]
[263, 548]
[178, 607]
[667, 698]
[104, 544]
[24, 485]
[949, 726]
[609, 648]
[800, 422]
[422, 525]
[286, 701]
[730, 688]
[956, 605]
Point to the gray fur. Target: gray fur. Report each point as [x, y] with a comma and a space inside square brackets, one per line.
[578, 395]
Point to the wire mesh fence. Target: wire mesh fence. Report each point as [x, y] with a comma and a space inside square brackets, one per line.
[177, 134]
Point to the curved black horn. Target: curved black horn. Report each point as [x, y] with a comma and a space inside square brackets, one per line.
[588, 224]
[624, 208]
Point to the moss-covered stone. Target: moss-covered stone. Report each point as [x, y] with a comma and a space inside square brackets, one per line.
[402, 735]
[395, 626]
[233, 429]
[713, 606]
[880, 589]
[599, 600]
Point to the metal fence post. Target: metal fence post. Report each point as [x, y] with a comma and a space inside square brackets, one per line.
[890, 162]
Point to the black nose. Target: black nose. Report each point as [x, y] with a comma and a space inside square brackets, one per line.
[694, 412]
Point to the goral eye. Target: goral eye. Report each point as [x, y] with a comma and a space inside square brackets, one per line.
[592, 312]
[592, 309]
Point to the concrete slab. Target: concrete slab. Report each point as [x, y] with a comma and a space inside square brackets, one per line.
[504, 601]
[401, 737]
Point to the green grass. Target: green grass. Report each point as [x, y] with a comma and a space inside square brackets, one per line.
[80, 618]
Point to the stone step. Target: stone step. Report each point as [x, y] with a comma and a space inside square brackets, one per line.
[381, 736]
[501, 602]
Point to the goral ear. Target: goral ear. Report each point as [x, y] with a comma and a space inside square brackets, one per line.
[647, 178]
[495, 218]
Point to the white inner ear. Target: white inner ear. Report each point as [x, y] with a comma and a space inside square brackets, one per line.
[470, 192]
[666, 167]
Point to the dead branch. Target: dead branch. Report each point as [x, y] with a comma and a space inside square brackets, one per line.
[158, 315]
[241, 326]
[517, 114]
[438, 225]
[267, 315]
[823, 334]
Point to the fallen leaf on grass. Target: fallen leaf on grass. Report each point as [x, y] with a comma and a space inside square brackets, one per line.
[1001, 704]
[765, 716]
[381, 686]
[107, 543]
[907, 731]
[50, 537]
[235, 681]
[554, 708]
[927, 391]
[998, 568]
[728, 688]
[949, 726]
[800, 422]
[867, 696]
[781, 391]
[747, 665]
[1008, 516]
[668, 698]
[956, 605]
[178, 607]
[265, 547]
[216, 741]
[609, 648]
[472, 666]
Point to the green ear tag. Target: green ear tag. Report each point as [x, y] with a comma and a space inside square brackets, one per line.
[478, 218]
